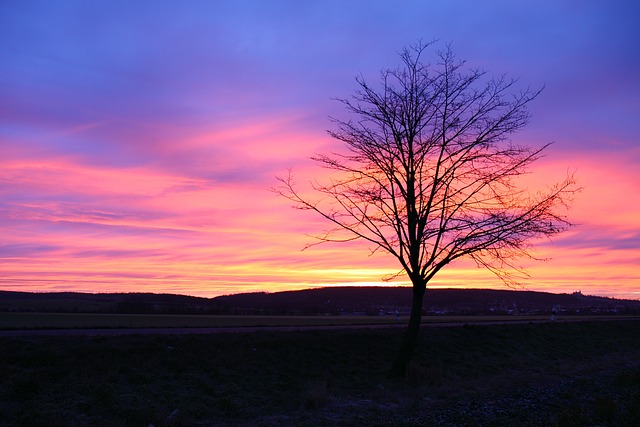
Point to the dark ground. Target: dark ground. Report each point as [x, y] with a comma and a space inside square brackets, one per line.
[564, 374]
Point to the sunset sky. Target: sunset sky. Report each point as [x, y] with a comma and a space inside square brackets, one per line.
[139, 140]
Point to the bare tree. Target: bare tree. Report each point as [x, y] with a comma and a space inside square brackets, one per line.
[430, 175]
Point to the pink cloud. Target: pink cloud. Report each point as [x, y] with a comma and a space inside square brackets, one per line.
[138, 163]
[149, 228]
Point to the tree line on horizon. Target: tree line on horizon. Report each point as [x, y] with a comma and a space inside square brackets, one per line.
[322, 301]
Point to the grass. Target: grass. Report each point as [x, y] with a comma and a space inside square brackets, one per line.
[585, 373]
[106, 320]
[28, 320]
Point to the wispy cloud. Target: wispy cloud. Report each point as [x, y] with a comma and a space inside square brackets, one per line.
[138, 145]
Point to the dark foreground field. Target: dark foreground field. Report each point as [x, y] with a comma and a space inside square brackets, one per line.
[571, 374]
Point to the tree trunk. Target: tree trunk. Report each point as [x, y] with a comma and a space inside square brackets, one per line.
[405, 352]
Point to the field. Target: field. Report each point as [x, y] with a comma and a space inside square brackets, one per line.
[98, 320]
[564, 374]
[11, 320]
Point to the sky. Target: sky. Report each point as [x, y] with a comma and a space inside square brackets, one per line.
[140, 140]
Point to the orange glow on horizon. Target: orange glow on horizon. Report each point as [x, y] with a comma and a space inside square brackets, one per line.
[146, 230]
[131, 163]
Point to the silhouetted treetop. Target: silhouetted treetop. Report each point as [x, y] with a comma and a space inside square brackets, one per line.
[429, 173]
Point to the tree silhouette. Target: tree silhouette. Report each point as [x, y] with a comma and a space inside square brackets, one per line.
[430, 175]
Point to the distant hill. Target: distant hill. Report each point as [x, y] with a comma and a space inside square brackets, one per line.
[377, 300]
[330, 300]
[101, 303]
